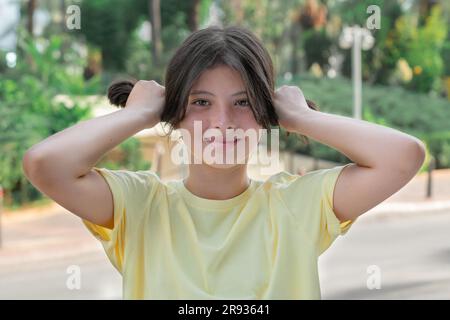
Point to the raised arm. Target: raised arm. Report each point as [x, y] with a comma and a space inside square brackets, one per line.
[61, 165]
[385, 158]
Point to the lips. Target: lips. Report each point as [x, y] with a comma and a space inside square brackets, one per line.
[212, 139]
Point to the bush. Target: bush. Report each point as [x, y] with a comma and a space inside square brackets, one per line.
[421, 46]
[29, 113]
[32, 111]
[128, 156]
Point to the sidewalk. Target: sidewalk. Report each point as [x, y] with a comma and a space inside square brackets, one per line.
[412, 197]
[50, 231]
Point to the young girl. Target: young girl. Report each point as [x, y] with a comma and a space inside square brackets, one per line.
[217, 234]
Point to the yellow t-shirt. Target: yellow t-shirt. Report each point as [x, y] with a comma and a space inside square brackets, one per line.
[262, 244]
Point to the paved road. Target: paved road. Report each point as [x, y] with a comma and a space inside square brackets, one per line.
[38, 253]
[411, 252]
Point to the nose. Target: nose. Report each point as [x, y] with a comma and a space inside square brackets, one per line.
[222, 118]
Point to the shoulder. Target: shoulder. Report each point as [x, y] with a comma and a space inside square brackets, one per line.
[127, 176]
[131, 184]
[284, 179]
[313, 182]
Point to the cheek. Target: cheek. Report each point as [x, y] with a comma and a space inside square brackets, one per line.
[192, 115]
[187, 127]
[248, 121]
[252, 129]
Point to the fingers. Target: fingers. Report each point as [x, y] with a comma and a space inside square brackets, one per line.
[148, 83]
[151, 85]
[289, 89]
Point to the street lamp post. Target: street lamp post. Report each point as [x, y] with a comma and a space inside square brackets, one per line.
[359, 39]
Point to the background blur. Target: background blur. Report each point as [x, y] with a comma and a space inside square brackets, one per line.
[57, 58]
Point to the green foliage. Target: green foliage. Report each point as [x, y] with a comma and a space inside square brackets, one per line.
[131, 157]
[355, 11]
[446, 56]
[139, 62]
[317, 47]
[112, 25]
[57, 66]
[174, 30]
[378, 63]
[29, 111]
[421, 47]
[32, 110]
[269, 20]
[107, 24]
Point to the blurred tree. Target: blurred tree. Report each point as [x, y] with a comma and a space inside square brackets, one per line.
[378, 63]
[317, 46]
[421, 47]
[446, 59]
[104, 25]
[424, 8]
[316, 42]
[115, 35]
[193, 15]
[31, 111]
[313, 15]
[279, 15]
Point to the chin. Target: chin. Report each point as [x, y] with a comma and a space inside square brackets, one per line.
[214, 163]
[224, 165]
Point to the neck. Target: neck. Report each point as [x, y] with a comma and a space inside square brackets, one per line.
[217, 184]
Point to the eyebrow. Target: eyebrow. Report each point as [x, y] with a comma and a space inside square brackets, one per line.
[194, 92]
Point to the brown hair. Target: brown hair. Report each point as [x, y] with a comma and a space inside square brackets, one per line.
[234, 46]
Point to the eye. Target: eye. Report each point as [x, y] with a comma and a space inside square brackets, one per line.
[244, 105]
[200, 100]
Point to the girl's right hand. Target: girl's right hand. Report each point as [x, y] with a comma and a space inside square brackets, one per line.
[147, 97]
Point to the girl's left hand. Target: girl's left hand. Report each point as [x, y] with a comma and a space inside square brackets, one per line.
[290, 105]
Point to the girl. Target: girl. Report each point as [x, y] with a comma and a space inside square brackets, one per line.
[217, 234]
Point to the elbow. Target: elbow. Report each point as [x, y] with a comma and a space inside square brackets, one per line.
[31, 162]
[420, 153]
[27, 163]
[415, 156]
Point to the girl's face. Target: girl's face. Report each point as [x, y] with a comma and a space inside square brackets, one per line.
[217, 102]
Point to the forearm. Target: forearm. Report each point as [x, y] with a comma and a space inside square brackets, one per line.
[366, 144]
[73, 151]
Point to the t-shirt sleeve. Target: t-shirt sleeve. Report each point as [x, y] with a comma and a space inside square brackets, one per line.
[330, 226]
[310, 199]
[132, 193]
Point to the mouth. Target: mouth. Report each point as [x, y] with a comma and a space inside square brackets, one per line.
[221, 141]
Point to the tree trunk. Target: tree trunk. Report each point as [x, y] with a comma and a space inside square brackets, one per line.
[294, 35]
[155, 20]
[30, 11]
[193, 17]
[23, 190]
